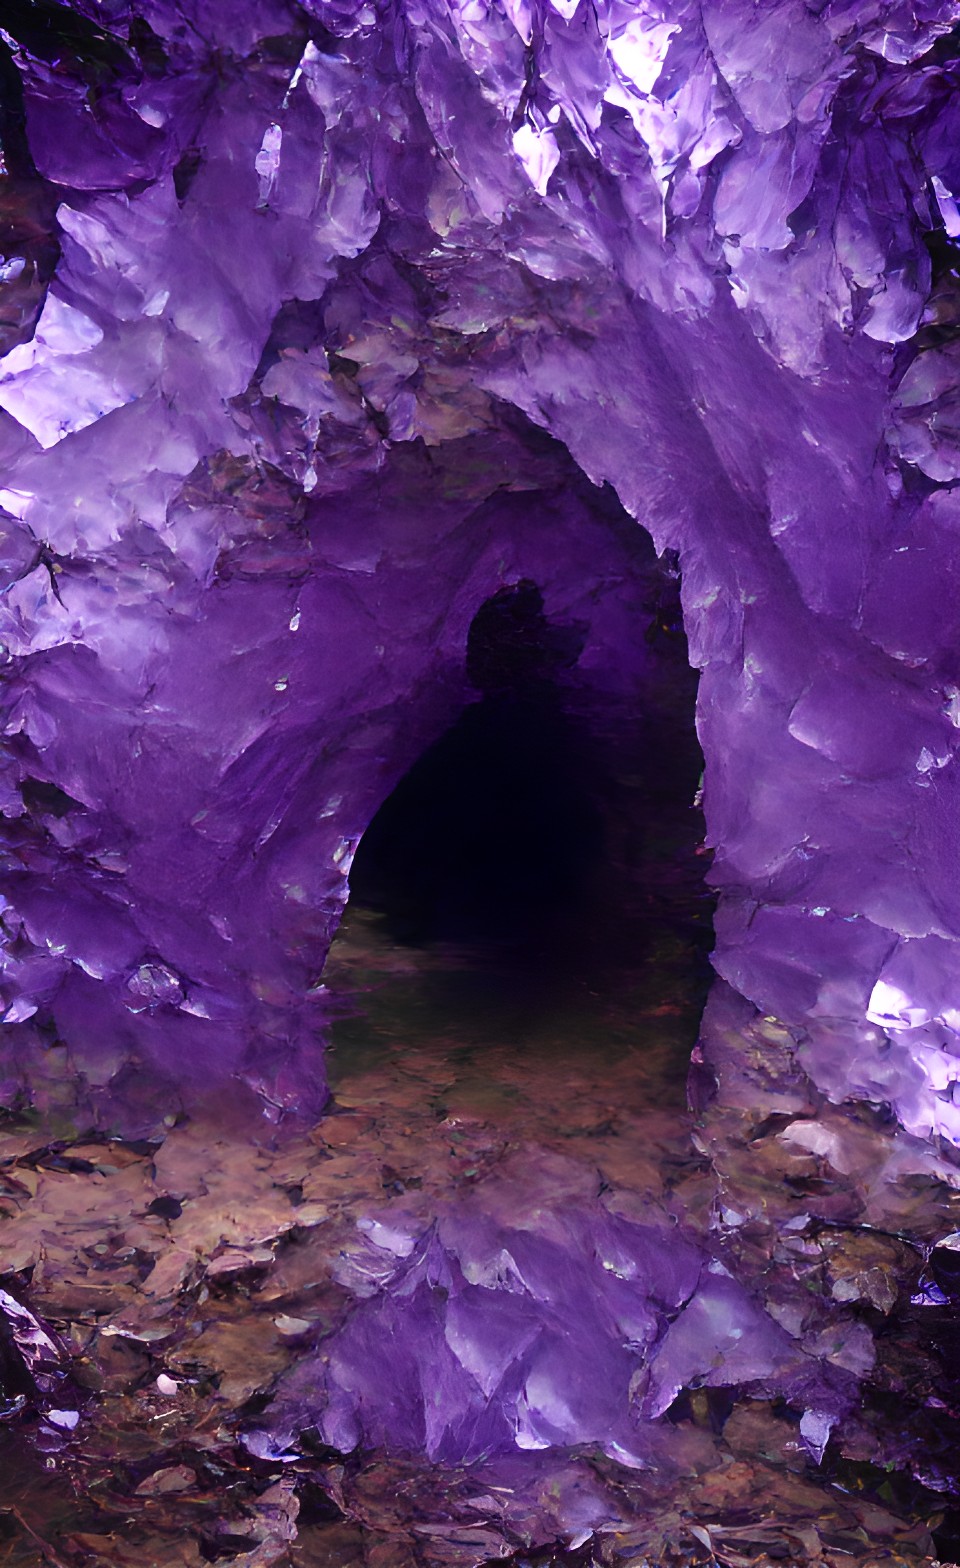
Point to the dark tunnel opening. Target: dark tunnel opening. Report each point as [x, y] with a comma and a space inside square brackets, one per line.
[551, 835]
[494, 836]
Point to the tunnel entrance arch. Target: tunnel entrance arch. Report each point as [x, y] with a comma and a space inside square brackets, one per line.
[550, 833]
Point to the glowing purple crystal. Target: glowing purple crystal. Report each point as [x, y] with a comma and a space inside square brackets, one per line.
[269, 441]
[680, 244]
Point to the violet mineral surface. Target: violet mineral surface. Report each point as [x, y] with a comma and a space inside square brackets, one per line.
[490, 468]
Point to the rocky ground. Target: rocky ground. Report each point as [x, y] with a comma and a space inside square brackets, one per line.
[182, 1275]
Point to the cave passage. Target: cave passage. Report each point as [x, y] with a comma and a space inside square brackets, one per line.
[494, 836]
[547, 842]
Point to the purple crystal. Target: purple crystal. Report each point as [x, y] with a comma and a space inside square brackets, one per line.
[272, 432]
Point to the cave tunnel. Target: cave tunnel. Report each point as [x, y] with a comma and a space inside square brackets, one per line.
[493, 835]
[286, 571]
[550, 839]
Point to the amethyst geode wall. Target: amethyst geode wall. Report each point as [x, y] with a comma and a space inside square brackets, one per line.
[310, 259]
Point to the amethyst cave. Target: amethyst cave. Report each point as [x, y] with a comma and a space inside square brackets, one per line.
[270, 303]
[391, 388]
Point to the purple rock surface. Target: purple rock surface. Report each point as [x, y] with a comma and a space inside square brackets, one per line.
[305, 287]
[532, 1315]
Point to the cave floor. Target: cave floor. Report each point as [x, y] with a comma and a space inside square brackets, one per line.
[186, 1272]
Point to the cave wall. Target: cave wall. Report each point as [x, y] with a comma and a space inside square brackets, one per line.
[309, 256]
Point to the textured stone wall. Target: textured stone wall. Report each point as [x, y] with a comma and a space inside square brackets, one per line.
[253, 429]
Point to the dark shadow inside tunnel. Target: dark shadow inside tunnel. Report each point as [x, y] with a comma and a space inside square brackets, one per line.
[549, 834]
[494, 836]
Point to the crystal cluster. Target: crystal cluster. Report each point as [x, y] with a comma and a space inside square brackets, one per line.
[531, 1316]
